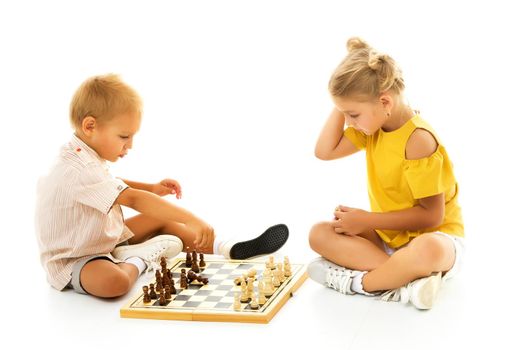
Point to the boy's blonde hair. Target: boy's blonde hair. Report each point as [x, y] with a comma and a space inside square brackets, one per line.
[365, 73]
[103, 97]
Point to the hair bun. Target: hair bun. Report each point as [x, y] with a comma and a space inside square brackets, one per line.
[376, 60]
[356, 43]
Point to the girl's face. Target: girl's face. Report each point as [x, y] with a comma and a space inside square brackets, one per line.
[366, 117]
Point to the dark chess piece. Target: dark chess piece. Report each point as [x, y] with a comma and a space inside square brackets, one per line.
[152, 293]
[183, 279]
[146, 298]
[167, 293]
[202, 263]
[188, 257]
[195, 267]
[162, 299]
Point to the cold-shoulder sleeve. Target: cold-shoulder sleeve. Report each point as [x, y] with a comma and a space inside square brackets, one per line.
[356, 137]
[430, 176]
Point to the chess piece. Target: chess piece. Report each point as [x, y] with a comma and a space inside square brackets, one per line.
[236, 302]
[152, 293]
[183, 279]
[162, 299]
[270, 264]
[280, 273]
[268, 285]
[188, 257]
[163, 264]
[173, 290]
[250, 285]
[261, 298]
[167, 293]
[251, 273]
[194, 255]
[245, 297]
[254, 305]
[195, 267]
[146, 298]
[287, 268]
[202, 263]
[275, 279]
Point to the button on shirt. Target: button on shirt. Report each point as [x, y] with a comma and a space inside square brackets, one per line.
[76, 213]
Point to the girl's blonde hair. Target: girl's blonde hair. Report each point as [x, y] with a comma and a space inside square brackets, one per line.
[365, 73]
[103, 97]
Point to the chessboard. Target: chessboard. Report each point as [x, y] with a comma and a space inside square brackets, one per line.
[217, 299]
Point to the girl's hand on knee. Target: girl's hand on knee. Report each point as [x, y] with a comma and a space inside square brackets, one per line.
[350, 221]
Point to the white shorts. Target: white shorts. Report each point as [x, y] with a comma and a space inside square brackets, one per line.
[459, 245]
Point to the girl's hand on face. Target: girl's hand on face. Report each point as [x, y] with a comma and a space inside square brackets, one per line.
[350, 221]
[167, 186]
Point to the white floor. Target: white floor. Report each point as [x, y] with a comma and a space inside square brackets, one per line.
[469, 312]
[235, 97]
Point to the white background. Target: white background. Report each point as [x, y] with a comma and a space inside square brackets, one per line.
[235, 94]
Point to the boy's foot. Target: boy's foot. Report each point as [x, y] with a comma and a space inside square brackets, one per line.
[268, 242]
[151, 250]
[331, 275]
[422, 293]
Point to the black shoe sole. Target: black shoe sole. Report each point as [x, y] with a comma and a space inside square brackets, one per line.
[269, 242]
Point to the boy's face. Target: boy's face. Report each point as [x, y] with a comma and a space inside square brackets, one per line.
[112, 139]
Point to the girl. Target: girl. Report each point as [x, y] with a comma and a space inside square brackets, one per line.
[412, 238]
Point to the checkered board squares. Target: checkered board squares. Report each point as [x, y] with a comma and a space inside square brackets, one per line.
[214, 301]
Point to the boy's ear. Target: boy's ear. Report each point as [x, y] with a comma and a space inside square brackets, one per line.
[88, 125]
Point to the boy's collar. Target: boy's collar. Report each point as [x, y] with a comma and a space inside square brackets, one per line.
[84, 151]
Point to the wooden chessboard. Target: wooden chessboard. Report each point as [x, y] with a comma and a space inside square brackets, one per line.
[214, 301]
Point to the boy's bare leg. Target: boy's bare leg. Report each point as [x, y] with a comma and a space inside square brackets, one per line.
[105, 279]
[360, 252]
[145, 227]
[424, 255]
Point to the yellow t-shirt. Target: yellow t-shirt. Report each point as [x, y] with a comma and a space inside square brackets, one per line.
[395, 183]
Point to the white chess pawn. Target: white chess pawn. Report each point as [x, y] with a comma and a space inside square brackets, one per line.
[261, 299]
[254, 304]
[271, 263]
[250, 285]
[287, 270]
[236, 302]
[275, 279]
[280, 272]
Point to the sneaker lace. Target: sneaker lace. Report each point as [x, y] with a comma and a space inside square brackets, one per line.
[153, 260]
[401, 294]
[339, 280]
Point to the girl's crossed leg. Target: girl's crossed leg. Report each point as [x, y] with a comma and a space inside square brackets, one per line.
[425, 254]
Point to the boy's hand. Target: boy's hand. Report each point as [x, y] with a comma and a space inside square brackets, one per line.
[204, 233]
[167, 186]
[350, 221]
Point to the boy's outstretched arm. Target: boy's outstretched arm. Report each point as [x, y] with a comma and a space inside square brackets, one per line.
[332, 144]
[152, 205]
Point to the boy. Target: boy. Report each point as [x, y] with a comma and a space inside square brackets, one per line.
[84, 241]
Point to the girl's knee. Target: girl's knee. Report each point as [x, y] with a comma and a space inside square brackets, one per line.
[318, 235]
[429, 253]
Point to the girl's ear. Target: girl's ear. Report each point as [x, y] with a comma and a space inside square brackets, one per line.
[88, 125]
[386, 101]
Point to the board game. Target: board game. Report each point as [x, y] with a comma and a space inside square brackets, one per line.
[218, 299]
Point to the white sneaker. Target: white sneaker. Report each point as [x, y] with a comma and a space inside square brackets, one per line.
[331, 275]
[151, 250]
[422, 293]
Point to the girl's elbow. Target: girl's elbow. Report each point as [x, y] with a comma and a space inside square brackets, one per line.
[322, 155]
[435, 218]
